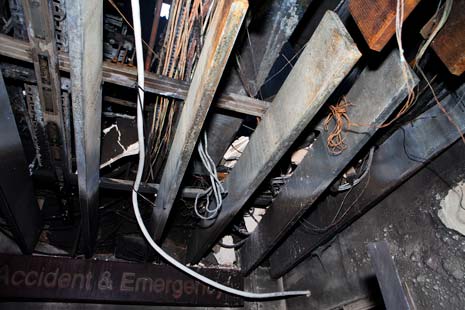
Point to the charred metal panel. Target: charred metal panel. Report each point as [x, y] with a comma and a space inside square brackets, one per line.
[19, 25]
[60, 25]
[17, 201]
[47, 278]
[40, 24]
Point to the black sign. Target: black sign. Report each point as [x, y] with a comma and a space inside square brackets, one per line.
[34, 277]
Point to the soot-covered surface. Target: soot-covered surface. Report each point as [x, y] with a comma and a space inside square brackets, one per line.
[430, 258]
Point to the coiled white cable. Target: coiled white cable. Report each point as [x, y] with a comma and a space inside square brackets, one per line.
[140, 168]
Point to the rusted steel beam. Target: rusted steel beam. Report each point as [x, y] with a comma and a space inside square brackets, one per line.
[85, 20]
[219, 42]
[376, 19]
[406, 151]
[127, 77]
[384, 85]
[328, 58]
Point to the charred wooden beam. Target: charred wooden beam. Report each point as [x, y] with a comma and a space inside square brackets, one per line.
[127, 77]
[406, 151]
[329, 56]
[85, 20]
[376, 19]
[219, 42]
[373, 97]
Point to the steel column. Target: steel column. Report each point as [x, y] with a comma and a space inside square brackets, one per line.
[85, 21]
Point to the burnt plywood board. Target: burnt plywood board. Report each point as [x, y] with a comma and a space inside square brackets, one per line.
[376, 19]
[329, 56]
[220, 38]
[398, 158]
[384, 86]
[65, 279]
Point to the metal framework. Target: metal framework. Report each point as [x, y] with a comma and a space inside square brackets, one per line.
[126, 76]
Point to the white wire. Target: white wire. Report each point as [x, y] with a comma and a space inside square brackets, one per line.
[400, 6]
[140, 168]
[444, 17]
[216, 187]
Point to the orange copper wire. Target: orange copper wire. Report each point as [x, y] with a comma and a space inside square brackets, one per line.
[338, 112]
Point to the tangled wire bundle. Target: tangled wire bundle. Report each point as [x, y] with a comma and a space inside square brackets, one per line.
[335, 139]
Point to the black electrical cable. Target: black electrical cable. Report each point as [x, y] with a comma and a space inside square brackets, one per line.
[232, 246]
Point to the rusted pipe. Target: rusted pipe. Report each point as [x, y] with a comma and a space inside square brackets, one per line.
[153, 34]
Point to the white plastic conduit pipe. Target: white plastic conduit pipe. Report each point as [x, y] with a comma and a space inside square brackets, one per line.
[140, 168]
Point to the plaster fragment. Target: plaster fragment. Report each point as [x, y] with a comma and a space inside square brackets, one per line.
[452, 212]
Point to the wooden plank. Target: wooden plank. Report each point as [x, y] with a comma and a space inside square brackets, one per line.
[406, 151]
[449, 43]
[376, 19]
[85, 45]
[127, 77]
[327, 59]
[219, 42]
[64, 279]
[384, 85]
